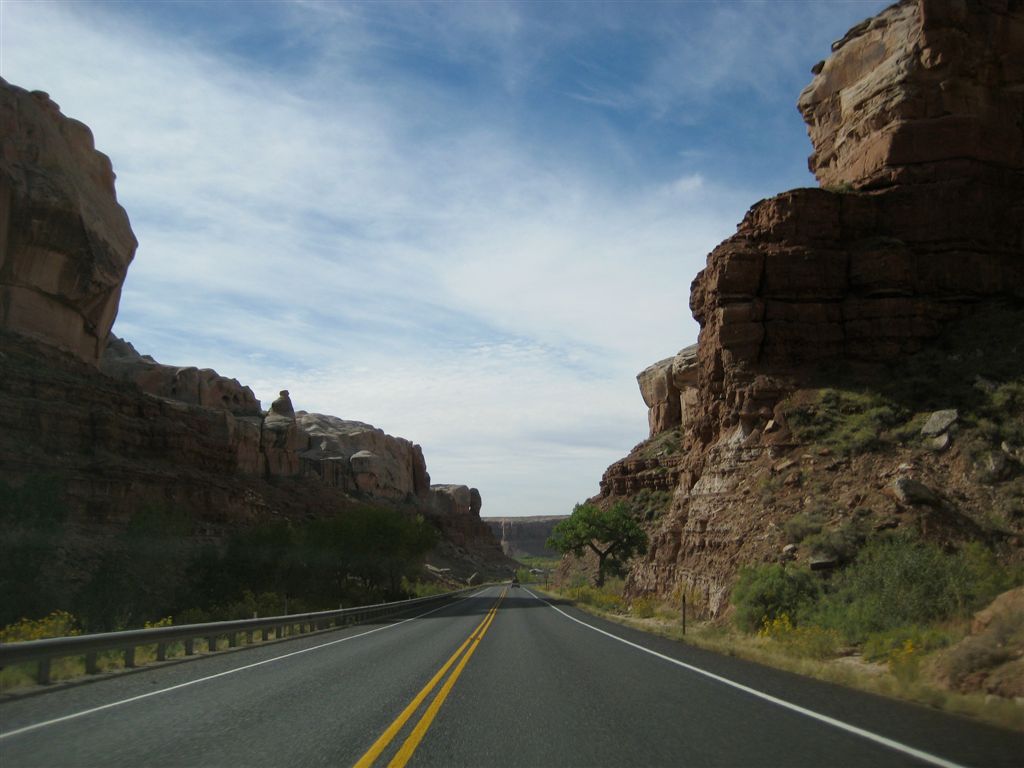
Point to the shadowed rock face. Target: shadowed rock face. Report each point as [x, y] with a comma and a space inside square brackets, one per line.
[917, 122]
[65, 243]
[456, 510]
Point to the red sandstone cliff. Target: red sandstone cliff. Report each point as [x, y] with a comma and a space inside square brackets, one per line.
[65, 243]
[917, 122]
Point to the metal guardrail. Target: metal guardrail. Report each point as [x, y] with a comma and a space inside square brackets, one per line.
[89, 646]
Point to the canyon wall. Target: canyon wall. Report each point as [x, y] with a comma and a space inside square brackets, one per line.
[525, 536]
[917, 123]
[117, 431]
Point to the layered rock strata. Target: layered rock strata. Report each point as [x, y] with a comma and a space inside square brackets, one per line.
[917, 122]
[923, 90]
[65, 243]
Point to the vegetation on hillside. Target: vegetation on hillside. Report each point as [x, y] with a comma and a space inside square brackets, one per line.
[157, 567]
[897, 601]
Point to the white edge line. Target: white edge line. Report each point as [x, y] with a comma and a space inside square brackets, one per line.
[84, 712]
[870, 736]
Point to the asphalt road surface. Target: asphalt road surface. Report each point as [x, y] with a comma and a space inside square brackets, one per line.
[500, 678]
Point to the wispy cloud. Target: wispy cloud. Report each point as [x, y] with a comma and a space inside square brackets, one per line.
[398, 212]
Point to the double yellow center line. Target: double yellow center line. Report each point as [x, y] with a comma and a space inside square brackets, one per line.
[413, 740]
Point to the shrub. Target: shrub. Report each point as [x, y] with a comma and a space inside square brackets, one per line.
[769, 591]
[985, 651]
[882, 646]
[643, 607]
[57, 624]
[608, 598]
[848, 422]
[800, 526]
[808, 641]
[897, 582]
[840, 544]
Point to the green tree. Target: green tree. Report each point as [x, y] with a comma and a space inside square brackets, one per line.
[611, 534]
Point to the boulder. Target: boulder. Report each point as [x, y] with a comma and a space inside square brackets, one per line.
[66, 243]
[939, 422]
[913, 493]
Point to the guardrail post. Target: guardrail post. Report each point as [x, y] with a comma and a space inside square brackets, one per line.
[129, 657]
[161, 651]
[233, 640]
[43, 672]
[211, 644]
[249, 637]
[91, 667]
[264, 634]
[190, 646]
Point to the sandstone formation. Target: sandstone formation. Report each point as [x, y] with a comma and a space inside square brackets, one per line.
[65, 243]
[916, 121]
[358, 457]
[923, 90]
[669, 389]
[524, 536]
[188, 384]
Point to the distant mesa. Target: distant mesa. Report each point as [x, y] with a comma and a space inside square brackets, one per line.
[525, 536]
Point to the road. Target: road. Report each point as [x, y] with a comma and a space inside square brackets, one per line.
[500, 678]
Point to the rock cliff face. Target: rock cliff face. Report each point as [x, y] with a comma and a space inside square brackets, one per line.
[524, 536]
[115, 429]
[65, 243]
[917, 121]
[923, 90]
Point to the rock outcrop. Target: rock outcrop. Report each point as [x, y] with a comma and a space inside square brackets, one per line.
[923, 90]
[360, 458]
[65, 243]
[455, 509]
[524, 536]
[917, 121]
[195, 386]
[669, 389]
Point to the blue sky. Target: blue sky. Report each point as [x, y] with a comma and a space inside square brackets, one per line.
[470, 224]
